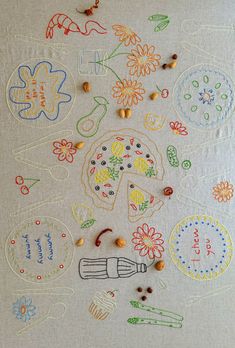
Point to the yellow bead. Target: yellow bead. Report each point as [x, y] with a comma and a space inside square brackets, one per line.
[128, 113]
[122, 113]
[80, 242]
[80, 145]
[154, 96]
[172, 65]
[120, 242]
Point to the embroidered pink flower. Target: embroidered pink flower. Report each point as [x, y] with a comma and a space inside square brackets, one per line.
[178, 128]
[148, 242]
[64, 150]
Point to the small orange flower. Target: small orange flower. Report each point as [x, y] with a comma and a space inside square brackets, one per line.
[126, 34]
[223, 191]
[142, 60]
[128, 92]
[64, 150]
[178, 128]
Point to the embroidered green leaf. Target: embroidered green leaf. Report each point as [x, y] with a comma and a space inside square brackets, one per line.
[157, 17]
[143, 206]
[195, 83]
[205, 78]
[171, 153]
[88, 223]
[114, 174]
[218, 107]
[115, 160]
[187, 96]
[194, 108]
[150, 172]
[218, 85]
[162, 25]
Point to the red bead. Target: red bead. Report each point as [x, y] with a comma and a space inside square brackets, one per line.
[168, 191]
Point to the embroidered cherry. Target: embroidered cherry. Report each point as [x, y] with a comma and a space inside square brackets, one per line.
[24, 190]
[98, 241]
[19, 180]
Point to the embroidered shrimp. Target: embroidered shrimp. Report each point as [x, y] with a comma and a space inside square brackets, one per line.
[64, 22]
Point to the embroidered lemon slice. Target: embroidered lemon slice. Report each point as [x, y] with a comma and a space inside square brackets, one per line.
[154, 122]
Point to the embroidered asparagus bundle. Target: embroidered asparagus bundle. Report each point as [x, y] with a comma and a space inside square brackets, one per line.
[155, 310]
[149, 321]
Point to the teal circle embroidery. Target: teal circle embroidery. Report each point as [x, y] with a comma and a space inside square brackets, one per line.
[204, 96]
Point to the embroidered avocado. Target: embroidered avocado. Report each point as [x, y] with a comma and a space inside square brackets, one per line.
[88, 125]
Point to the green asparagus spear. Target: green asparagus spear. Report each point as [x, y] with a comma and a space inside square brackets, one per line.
[155, 310]
[157, 17]
[149, 321]
[162, 25]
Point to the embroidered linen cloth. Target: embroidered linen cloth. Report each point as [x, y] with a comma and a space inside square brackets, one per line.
[156, 178]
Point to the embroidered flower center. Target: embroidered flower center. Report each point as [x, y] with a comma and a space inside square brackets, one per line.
[64, 149]
[23, 309]
[207, 96]
[148, 242]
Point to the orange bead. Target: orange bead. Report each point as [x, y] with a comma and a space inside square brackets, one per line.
[160, 265]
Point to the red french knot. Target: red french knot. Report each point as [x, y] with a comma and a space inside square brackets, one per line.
[21, 270]
[61, 266]
[63, 235]
[39, 277]
[13, 241]
[37, 222]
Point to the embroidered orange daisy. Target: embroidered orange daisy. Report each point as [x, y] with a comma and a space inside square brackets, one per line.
[128, 92]
[178, 128]
[126, 34]
[148, 242]
[142, 60]
[223, 191]
[64, 150]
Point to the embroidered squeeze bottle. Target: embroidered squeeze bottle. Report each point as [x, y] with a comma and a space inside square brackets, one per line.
[112, 267]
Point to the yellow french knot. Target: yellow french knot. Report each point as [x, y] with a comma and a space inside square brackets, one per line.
[141, 165]
[117, 148]
[102, 176]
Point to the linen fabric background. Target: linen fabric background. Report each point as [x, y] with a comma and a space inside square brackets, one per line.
[208, 322]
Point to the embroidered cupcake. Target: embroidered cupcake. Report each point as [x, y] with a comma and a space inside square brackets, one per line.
[103, 304]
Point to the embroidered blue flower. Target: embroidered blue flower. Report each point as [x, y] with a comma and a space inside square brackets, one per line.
[207, 96]
[23, 309]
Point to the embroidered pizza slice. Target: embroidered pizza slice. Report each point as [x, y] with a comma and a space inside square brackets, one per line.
[141, 203]
[118, 153]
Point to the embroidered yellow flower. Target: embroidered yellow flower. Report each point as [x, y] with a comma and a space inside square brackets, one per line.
[142, 60]
[128, 92]
[117, 148]
[223, 191]
[126, 34]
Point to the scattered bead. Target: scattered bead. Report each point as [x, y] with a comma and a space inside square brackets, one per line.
[80, 242]
[160, 265]
[168, 191]
[144, 298]
[128, 113]
[122, 113]
[80, 145]
[86, 87]
[149, 290]
[164, 66]
[139, 289]
[154, 96]
[174, 56]
[172, 65]
[120, 242]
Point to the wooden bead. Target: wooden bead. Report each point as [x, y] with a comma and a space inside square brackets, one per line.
[172, 65]
[86, 87]
[120, 242]
[174, 56]
[154, 96]
[160, 265]
[128, 113]
[144, 298]
[164, 66]
[122, 113]
[149, 290]
[80, 242]
[139, 289]
[80, 145]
